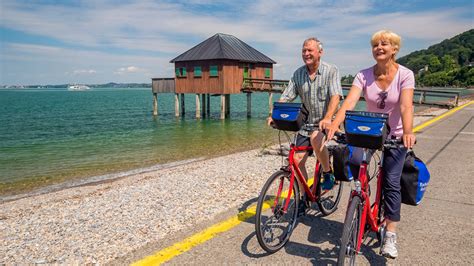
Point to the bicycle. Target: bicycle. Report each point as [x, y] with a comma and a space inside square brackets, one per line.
[278, 202]
[361, 214]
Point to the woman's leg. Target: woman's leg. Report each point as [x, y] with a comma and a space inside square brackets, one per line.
[356, 160]
[392, 169]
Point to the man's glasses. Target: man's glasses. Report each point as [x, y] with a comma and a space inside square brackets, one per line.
[381, 102]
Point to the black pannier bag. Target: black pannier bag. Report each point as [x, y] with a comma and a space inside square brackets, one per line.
[289, 116]
[341, 154]
[414, 180]
[366, 129]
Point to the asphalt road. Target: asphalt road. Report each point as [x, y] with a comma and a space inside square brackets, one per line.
[438, 232]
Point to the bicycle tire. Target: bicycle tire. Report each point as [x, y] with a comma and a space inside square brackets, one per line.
[328, 200]
[350, 233]
[273, 227]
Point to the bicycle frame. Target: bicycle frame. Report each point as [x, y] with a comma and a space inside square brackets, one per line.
[369, 214]
[295, 170]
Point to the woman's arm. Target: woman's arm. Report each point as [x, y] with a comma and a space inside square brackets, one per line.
[332, 107]
[406, 108]
[348, 104]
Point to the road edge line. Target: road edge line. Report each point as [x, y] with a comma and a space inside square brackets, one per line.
[448, 113]
[174, 250]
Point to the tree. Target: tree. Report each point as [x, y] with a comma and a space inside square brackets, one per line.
[434, 63]
[448, 63]
[347, 79]
[438, 79]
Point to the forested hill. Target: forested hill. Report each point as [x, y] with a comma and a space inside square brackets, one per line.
[449, 63]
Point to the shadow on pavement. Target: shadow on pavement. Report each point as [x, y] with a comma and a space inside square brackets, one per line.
[322, 231]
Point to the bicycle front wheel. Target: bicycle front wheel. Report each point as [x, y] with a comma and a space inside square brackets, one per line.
[274, 224]
[328, 199]
[350, 233]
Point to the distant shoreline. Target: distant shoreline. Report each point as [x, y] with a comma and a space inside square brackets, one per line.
[59, 86]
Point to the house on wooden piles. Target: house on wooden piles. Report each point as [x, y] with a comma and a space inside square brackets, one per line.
[216, 66]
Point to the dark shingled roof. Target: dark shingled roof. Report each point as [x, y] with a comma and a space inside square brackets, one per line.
[223, 46]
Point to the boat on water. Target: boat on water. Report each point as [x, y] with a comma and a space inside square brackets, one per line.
[77, 87]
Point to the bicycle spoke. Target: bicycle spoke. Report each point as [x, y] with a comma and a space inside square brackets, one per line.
[274, 225]
[350, 233]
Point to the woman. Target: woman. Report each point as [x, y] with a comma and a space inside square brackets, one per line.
[387, 88]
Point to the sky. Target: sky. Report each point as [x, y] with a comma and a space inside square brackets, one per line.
[100, 41]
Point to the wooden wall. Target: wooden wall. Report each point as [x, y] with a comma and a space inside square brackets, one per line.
[162, 85]
[229, 79]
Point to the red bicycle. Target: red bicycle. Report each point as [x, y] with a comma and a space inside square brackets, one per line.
[277, 207]
[363, 217]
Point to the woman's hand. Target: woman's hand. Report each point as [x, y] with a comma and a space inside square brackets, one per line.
[331, 130]
[324, 123]
[409, 140]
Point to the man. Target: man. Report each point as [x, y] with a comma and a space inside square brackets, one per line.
[319, 86]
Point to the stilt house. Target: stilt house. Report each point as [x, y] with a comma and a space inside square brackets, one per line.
[218, 66]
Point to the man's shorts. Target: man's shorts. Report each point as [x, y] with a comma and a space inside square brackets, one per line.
[303, 141]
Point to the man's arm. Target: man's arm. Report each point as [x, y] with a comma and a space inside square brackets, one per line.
[289, 94]
[332, 107]
[335, 91]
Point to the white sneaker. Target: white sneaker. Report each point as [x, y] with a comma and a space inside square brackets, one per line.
[389, 248]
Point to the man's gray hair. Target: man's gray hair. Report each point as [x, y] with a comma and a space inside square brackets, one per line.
[320, 44]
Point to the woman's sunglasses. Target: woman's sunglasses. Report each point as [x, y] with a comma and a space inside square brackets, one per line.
[381, 102]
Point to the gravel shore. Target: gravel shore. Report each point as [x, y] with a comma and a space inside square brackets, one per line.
[99, 223]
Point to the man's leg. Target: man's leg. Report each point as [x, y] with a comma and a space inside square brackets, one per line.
[317, 141]
[300, 159]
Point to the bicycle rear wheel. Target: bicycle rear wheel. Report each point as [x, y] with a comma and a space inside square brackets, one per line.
[350, 233]
[273, 225]
[328, 199]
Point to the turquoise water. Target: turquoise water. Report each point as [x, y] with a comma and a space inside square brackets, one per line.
[49, 136]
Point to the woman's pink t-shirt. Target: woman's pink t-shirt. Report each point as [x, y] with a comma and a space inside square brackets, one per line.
[404, 79]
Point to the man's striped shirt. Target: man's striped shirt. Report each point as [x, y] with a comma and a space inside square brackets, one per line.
[315, 94]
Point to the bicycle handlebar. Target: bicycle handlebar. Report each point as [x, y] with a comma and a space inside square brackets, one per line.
[340, 137]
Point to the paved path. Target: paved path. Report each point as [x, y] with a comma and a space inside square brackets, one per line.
[438, 232]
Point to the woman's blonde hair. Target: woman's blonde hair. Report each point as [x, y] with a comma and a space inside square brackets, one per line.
[387, 35]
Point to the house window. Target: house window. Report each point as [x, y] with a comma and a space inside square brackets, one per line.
[213, 71]
[197, 71]
[267, 73]
[180, 72]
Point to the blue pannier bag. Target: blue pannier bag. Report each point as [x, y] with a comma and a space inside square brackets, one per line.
[366, 129]
[289, 116]
[414, 180]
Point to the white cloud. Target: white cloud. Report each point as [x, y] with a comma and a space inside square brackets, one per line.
[130, 69]
[95, 35]
[84, 71]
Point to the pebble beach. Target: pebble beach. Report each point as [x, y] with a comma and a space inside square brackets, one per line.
[102, 222]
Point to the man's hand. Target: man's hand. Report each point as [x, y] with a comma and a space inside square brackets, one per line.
[270, 122]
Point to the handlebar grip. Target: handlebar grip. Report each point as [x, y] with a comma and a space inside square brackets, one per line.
[339, 134]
